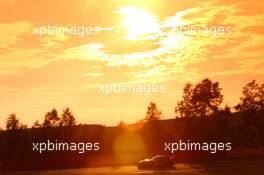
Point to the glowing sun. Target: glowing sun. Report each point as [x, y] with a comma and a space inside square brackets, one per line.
[138, 23]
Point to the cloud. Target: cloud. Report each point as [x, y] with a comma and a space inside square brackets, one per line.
[10, 33]
[90, 51]
[93, 74]
[7, 1]
[52, 41]
[167, 56]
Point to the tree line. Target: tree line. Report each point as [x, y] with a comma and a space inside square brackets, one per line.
[201, 100]
[51, 119]
[205, 99]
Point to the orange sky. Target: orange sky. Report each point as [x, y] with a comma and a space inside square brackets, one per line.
[39, 73]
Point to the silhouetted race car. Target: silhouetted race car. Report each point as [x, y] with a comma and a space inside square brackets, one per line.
[157, 162]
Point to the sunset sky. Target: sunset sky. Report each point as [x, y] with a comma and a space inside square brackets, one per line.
[135, 45]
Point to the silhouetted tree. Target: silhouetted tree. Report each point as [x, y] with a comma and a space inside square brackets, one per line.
[13, 123]
[121, 124]
[23, 126]
[67, 118]
[202, 100]
[152, 112]
[185, 107]
[227, 109]
[253, 97]
[36, 124]
[51, 119]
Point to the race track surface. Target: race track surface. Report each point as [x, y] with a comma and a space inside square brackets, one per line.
[220, 167]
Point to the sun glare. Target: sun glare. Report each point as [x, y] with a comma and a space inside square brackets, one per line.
[138, 23]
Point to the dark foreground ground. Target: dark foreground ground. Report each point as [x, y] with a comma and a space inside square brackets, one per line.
[245, 166]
